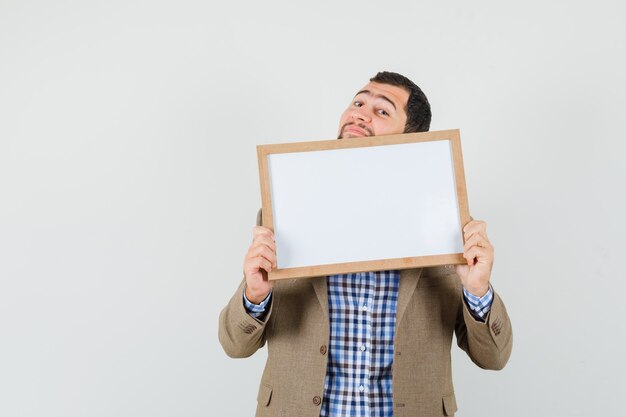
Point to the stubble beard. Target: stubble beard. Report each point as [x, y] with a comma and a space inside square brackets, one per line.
[368, 130]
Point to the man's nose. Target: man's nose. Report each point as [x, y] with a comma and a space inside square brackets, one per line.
[361, 114]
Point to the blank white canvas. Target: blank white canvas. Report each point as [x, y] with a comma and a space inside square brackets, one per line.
[364, 204]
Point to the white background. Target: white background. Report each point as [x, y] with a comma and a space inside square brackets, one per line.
[129, 186]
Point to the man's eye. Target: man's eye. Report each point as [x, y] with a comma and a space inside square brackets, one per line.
[357, 104]
[383, 112]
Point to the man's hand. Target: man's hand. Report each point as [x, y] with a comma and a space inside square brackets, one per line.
[479, 255]
[260, 259]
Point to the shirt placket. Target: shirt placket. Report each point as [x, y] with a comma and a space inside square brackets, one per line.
[363, 345]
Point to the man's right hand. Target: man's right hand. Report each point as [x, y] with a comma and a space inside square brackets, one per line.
[260, 259]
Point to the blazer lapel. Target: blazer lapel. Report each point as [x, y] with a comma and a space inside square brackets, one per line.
[408, 282]
[321, 290]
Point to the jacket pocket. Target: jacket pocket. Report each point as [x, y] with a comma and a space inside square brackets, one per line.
[265, 395]
[449, 405]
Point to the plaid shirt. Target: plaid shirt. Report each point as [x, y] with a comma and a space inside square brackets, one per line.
[362, 311]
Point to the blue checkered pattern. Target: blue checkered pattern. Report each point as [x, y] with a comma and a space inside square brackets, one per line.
[256, 310]
[479, 306]
[362, 310]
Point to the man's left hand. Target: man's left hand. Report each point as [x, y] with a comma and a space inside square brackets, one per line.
[479, 255]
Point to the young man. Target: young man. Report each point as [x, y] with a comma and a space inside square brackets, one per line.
[373, 343]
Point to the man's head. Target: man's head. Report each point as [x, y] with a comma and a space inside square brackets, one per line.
[389, 104]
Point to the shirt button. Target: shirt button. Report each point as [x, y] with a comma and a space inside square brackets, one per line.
[365, 307]
[362, 348]
[317, 400]
[361, 388]
[323, 349]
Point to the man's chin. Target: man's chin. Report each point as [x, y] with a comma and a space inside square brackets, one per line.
[351, 135]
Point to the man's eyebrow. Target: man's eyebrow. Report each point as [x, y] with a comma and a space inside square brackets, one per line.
[369, 93]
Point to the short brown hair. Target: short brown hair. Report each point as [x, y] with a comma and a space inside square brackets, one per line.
[417, 108]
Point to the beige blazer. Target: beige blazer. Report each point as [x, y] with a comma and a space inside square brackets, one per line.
[296, 329]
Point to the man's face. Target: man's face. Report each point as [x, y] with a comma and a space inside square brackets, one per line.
[376, 110]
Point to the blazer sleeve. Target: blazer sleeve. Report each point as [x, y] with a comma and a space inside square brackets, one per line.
[239, 333]
[488, 343]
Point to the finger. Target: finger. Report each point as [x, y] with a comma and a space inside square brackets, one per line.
[264, 252]
[264, 240]
[476, 240]
[262, 231]
[477, 255]
[481, 233]
[478, 234]
[475, 226]
[259, 263]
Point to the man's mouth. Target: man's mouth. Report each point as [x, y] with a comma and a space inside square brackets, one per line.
[356, 130]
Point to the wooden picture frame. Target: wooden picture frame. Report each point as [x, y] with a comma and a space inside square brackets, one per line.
[364, 204]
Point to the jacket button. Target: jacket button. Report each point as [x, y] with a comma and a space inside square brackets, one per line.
[317, 400]
[323, 349]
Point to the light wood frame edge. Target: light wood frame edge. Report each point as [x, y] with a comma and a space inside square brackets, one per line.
[263, 151]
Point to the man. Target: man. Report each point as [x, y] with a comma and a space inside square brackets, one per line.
[374, 343]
